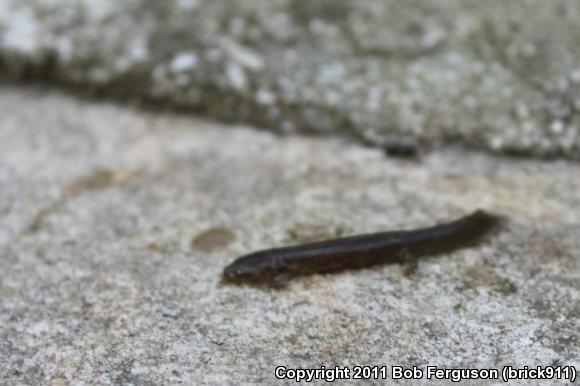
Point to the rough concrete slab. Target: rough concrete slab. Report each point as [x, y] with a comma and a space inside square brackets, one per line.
[495, 75]
[116, 223]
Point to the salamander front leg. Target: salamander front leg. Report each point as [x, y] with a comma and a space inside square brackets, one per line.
[280, 280]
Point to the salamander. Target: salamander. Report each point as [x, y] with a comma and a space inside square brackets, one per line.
[275, 267]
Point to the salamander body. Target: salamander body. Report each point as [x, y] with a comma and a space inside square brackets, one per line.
[276, 266]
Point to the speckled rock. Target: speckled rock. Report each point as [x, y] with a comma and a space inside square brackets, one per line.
[496, 75]
[115, 225]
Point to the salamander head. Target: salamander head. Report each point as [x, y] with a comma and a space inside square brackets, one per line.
[256, 268]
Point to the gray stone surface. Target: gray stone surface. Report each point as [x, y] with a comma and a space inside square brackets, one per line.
[116, 223]
[497, 75]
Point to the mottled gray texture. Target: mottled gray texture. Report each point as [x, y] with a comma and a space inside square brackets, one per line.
[102, 281]
[497, 75]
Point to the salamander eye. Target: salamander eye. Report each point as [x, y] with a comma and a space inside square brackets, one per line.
[232, 272]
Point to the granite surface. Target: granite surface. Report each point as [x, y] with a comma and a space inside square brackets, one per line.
[116, 219]
[498, 75]
[115, 224]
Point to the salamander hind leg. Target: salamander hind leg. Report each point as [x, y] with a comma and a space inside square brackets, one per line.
[410, 263]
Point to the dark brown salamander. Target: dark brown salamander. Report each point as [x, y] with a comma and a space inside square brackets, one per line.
[274, 267]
